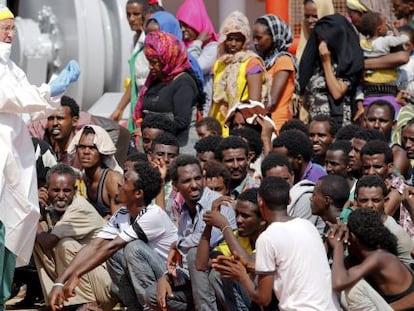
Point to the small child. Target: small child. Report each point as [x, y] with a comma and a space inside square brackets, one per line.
[406, 72]
[378, 42]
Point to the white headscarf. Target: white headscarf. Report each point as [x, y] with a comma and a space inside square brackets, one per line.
[103, 143]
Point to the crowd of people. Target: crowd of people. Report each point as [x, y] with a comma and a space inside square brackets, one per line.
[246, 178]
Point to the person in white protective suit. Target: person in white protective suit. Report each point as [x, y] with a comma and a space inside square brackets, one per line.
[19, 209]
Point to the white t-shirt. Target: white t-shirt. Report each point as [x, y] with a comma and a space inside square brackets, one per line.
[294, 253]
[152, 226]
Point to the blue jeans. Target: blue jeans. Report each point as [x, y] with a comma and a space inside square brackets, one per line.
[231, 295]
[133, 269]
[203, 292]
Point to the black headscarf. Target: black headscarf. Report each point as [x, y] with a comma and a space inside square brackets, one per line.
[343, 43]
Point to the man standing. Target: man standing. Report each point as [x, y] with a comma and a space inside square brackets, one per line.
[69, 223]
[18, 196]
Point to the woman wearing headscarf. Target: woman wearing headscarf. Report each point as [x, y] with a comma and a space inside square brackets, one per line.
[312, 11]
[201, 40]
[166, 22]
[138, 64]
[272, 37]
[239, 75]
[355, 11]
[170, 88]
[330, 69]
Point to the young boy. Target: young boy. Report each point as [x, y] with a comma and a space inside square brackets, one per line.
[280, 253]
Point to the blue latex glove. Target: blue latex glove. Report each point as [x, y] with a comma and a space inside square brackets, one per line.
[68, 75]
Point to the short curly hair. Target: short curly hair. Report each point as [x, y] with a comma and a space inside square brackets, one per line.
[367, 226]
[61, 169]
[369, 134]
[217, 169]
[67, 101]
[149, 180]
[273, 160]
[231, 142]
[253, 140]
[337, 188]
[347, 132]
[158, 121]
[275, 200]
[165, 139]
[378, 147]
[370, 21]
[212, 124]
[333, 126]
[294, 124]
[208, 143]
[371, 181]
[341, 145]
[250, 195]
[180, 161]
[296, 142]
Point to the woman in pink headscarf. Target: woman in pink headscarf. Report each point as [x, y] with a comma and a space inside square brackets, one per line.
[171, 87]
[200, 39]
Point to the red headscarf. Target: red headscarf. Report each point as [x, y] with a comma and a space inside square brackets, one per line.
[172, 56]
[194, 14]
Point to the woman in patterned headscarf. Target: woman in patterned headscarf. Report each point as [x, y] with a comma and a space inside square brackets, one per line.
[170, 88]
[238, 74]
[272, 37]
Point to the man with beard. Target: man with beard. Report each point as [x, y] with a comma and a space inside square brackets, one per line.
[233, 151]
[187, 178]
[134, 243]
[68, 223]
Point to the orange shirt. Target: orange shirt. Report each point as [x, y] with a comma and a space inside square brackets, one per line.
[282, 112]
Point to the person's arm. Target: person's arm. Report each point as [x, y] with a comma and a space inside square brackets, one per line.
[117, 114]
[111, 184]
[216, 219]
[343, 278]
[233, 268]
[206, 56]
[254, 84]
[392, 202]
[174, 258]
[266, 134]
[203, 250]
[88, 258]
[401, 161]
[408, 200]
[164, 290]
[280, 80]
[337, 88]
[46, 240]
[163, 169]
[182, 101]
[391, 60]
